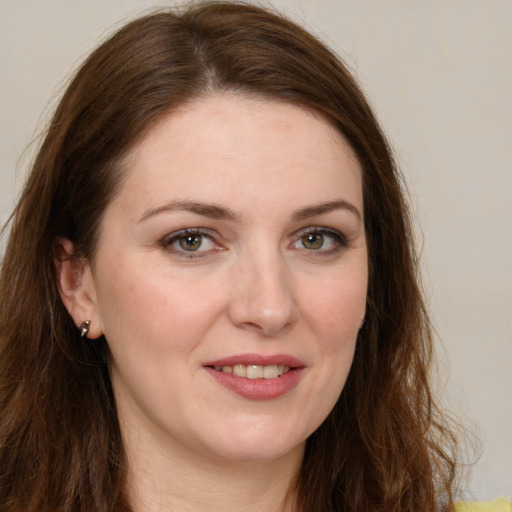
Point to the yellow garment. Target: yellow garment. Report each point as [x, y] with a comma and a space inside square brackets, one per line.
[501, 505]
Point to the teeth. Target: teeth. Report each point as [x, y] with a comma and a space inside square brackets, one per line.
[240, 370]
[254, 371]
[270, 372]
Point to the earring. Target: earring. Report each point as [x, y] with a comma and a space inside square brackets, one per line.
[84, 328]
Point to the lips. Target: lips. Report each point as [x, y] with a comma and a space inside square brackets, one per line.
[258, 359]
[255, 376]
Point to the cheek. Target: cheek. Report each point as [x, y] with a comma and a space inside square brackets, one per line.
[151, 307]
[334, 317]
[339, 315]
[336, 312]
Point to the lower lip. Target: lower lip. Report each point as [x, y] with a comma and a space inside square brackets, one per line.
[258, 389]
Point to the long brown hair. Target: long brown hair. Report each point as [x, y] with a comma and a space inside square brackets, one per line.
[382, 448]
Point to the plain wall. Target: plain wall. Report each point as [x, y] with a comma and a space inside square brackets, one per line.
[439, 74]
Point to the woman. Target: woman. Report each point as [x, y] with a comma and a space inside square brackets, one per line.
[209, 294]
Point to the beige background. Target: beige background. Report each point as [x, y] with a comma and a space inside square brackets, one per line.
[439, 73]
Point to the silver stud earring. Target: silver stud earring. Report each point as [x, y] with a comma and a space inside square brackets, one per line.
[84, 328]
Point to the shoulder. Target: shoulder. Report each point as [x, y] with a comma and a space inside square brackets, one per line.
[500, 505]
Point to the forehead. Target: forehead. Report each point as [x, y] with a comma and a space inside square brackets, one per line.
[229, 147]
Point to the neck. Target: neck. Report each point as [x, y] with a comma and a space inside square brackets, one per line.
[174, 478]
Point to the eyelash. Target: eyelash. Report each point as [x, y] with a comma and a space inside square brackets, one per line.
[339, 240]
[175, 237]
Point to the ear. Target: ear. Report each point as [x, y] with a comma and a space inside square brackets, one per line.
[76, 286]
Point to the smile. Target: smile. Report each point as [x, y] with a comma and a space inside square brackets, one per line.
[257, 376]
[254, 371]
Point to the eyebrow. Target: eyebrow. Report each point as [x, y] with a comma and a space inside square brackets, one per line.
[205, 209]
[222, 213]
[320, 209]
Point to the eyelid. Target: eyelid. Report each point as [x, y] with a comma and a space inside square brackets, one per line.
[320, 229]
[168, 241]
[339, 237]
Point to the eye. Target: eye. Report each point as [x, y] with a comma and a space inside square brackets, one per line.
[190, 241]
[322, 240]
[313, 241]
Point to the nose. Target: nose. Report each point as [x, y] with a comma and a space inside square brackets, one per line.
[263, 297]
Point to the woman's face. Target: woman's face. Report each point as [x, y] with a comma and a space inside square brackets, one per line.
[230, 278]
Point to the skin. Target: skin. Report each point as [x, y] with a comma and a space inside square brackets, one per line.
[256, 285]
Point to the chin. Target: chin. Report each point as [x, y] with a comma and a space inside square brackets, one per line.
[256, 445]
[255, 453]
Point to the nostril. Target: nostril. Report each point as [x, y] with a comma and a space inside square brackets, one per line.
[251, 326]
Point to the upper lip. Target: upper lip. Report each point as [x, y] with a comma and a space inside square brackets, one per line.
[258, 360]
